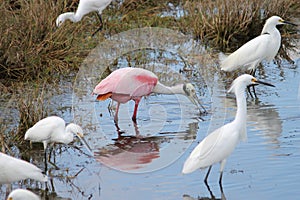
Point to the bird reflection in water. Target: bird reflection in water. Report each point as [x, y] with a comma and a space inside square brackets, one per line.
[130, 152]
[212, 196]
[263, 118]
[267, 120]
[135, 153]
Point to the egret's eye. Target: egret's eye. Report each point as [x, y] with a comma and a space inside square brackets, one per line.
[253, 80]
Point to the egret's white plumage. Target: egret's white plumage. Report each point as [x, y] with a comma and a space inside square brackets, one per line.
[218, 145]
[22, 194]
[13, 169]
[52, 129]
[84, 7]
[263, 47]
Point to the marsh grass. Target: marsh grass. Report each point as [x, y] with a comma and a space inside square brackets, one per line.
[32, 47]
[224, 23]
[33, 51]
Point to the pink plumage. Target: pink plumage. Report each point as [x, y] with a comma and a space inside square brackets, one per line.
[126, 84]
[130, 83]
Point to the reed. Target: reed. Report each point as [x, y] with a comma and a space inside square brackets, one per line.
[32, 47]
[222, 23]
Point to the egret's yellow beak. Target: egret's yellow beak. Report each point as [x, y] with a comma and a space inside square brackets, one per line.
[80, 135]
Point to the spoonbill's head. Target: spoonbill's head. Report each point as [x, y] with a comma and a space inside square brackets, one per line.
[190, 92]
[245, 80]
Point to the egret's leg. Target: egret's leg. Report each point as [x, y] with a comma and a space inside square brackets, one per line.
[136, 105]
[220, 179]
[205, 180]
[248, 89]
[209, 190]
[116, 114]
[101, 25]
[45, 158]
[253, 88]
[223, 162]
[252, 72]
[222, 192]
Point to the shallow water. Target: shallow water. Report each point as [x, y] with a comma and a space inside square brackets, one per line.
[145, 161]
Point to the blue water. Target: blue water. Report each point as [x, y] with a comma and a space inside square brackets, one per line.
[145, 162]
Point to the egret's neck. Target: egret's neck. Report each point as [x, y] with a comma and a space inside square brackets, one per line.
[270, 29]
[64, 137]
[74, 17]
[241, 113]
[162, 89]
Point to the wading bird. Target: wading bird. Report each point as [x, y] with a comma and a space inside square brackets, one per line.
[14, 169]
[22, 194]
[218, 145]
[130, 83]
[263, 47]
[85, 7]
[53, 129]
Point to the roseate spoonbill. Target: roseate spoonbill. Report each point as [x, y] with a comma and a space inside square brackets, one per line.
[85, 7]
[52, 129]
[14, 169]
[130, 83]
[22, 194]
[219, 144]
[263, 47]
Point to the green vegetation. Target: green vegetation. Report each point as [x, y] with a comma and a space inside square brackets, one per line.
[34, 51]
[32, 47]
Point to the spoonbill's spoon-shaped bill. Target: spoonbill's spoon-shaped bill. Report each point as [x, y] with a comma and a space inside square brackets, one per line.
[130, 83]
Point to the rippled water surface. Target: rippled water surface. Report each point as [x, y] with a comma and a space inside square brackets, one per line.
[144, 160]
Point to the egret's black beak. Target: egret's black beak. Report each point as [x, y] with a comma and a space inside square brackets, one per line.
[290, 23]
[264, 83]
[83, 141]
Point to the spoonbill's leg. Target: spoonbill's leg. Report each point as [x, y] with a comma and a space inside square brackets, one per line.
[117, 112]
[137, 101]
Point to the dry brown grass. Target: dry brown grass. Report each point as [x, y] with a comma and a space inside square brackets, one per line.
[224, 22]
[32, 47]
[30, 44]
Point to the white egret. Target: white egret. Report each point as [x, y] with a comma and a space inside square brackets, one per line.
[263, 47]
[14, 169]
[52, 129]
[84, 7]
[22, 194]
[218, 145]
